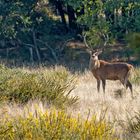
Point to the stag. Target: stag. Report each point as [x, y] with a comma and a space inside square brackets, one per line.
[103, 70]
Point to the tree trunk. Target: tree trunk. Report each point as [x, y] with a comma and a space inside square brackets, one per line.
[36, 47]
[71, 17]
[109, 16]
[59, 6]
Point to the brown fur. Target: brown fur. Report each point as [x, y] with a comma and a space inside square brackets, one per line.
[103, 70]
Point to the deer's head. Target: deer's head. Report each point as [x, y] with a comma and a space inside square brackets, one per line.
[93, 53]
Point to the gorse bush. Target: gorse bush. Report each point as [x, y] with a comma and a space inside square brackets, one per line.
[53, 86]
[54, 126]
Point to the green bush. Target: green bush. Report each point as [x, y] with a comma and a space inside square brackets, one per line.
[55, 126]
[133, 40]
[53, 86]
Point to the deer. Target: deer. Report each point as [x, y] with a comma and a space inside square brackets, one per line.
[103, 70]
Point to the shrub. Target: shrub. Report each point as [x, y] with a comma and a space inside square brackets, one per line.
[53, 86]
[55, 126]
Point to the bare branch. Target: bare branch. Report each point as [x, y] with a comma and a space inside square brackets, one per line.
[52, 51]
[35, 46]
[30, 45]
[31, 54]
[30, 48]
[9, 49]
[64, 44]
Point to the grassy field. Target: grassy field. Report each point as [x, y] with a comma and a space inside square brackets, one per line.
[116, 105]
[113, 115]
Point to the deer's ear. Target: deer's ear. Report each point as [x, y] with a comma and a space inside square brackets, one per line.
[89, 51]
[99, 52]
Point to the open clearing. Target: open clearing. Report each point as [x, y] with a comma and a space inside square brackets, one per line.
[117, 101]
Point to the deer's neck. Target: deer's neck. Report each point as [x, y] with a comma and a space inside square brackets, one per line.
[94, 63]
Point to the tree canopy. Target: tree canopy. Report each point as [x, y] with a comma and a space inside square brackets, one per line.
[32, 23]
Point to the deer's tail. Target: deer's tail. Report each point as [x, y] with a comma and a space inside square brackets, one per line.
[129, 73]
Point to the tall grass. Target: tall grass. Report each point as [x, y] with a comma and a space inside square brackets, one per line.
[53, 86]
[133, 126]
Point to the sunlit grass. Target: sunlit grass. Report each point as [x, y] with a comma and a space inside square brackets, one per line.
[116, 103]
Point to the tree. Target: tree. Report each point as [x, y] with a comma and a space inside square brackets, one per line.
[19, 20]
[108, 18]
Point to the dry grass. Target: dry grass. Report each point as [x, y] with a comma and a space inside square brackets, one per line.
[116, 105]
[116, 100]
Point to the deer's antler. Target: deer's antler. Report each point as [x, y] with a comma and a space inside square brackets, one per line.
[87, 46]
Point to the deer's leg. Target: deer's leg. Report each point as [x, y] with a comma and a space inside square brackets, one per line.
[123, 81]
[98, 85]
[103, 84]
[128, 84]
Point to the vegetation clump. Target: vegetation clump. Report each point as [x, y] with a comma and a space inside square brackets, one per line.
[53, 86]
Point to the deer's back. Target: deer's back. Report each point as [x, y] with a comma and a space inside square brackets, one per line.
[112, 71]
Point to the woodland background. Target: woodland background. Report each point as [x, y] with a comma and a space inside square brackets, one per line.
[50, 31]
